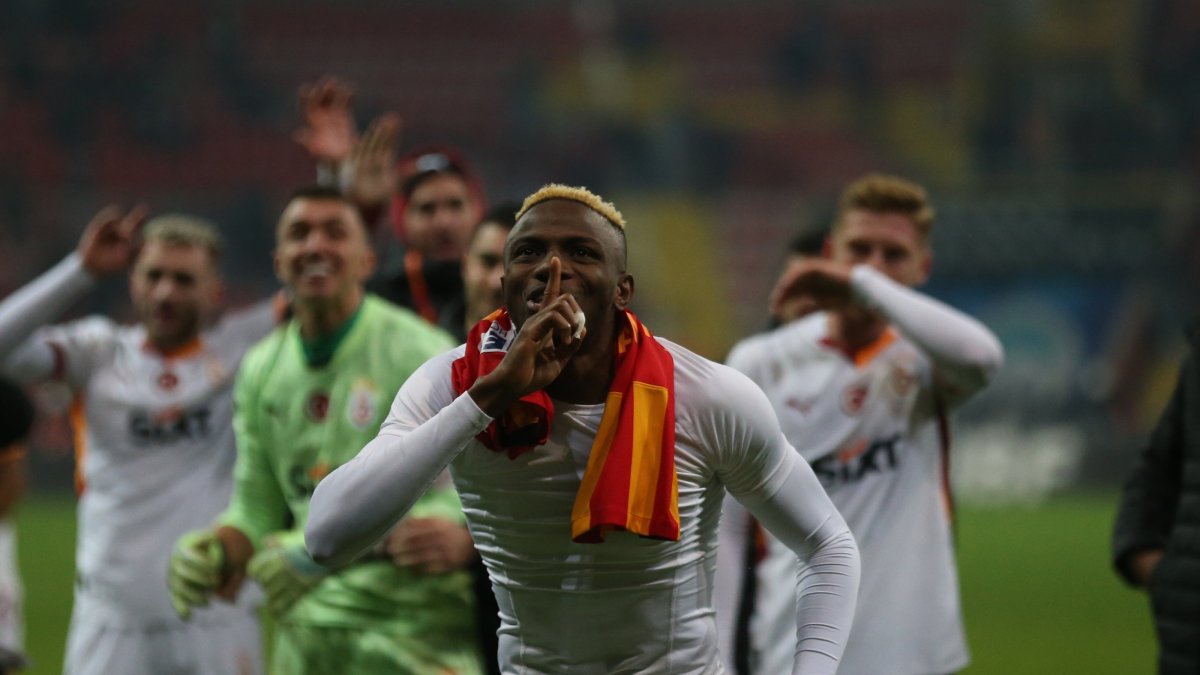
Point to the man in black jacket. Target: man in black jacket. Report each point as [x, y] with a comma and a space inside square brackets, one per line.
[1156, 540]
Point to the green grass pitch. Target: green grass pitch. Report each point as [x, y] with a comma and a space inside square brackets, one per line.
[1037, 588]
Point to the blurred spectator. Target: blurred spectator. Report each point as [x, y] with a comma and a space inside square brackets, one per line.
[483, 264]
[1155, 542]
[432, 196]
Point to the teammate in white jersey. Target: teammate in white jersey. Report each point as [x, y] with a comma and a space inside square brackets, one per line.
[630, 604]
[862, 390]
[16, 421]
[153, 413]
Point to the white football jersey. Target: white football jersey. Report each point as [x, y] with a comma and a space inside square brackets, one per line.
[875, 436]
[630, 604]
[155, 454]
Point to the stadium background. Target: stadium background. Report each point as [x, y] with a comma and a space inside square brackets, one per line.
[1060, 140]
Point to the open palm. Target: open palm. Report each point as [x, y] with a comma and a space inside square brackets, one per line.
[109, 242]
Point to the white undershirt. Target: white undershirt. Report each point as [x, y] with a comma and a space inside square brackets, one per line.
[629, 605]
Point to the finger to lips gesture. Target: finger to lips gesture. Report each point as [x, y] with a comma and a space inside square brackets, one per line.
[547, 339]
[109, 242]
[826, 282]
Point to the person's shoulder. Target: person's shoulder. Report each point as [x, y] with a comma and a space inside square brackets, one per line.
[97, 326]
[444, 361]
[702, 382]
[391, 316]
[263, 353]
[715, 403]
[788, 339]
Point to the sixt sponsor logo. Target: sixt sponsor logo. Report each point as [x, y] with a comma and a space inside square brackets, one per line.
[169, 426]
[857, 461]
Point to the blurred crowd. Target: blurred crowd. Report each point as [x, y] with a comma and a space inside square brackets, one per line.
[1059, 140]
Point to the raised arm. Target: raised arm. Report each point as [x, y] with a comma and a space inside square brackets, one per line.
[763, 472]
[966, 355]
[328, 134]
[107, 247]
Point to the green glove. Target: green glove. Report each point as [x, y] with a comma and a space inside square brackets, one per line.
[285, 571]
[195, 571]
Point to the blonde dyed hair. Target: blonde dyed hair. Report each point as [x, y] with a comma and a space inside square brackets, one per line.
[883, 193]
[176, 229]
[581, 195]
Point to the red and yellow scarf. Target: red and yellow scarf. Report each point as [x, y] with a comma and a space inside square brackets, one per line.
[630, 482]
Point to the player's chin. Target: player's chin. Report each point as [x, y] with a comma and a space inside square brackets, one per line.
[315, 292]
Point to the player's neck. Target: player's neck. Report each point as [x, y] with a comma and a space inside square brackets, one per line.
[319, 320]
[855, 329]
[174, 347]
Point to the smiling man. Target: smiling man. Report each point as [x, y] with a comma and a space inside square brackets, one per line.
[155, 447]
[308, 397]
[862, 390]
[591, 458]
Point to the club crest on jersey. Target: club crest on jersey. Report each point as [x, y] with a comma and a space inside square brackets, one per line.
[317, 406]
[497, 338]
[364, 400]
[854, 398]
[168, 380]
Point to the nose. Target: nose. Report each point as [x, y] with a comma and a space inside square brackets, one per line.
[162, 289]
[314, 241]
[542, 273]
[876, 259]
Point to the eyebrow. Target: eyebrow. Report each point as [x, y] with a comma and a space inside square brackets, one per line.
[579, 239]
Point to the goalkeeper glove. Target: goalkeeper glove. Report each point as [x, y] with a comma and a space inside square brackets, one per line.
[195, 571]
[284, 570]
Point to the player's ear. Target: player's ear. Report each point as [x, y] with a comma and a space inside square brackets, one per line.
[625, 288]
[367, 268]
[926, 264]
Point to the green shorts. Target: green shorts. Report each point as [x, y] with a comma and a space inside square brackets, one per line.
[317, 650]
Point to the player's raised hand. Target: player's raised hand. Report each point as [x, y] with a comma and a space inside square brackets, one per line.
[825, 282]
[328, 134]
[372, 162]
[430, 545]
[546, 341]
[109, 242]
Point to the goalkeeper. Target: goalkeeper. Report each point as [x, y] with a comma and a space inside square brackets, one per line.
[308, 397]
